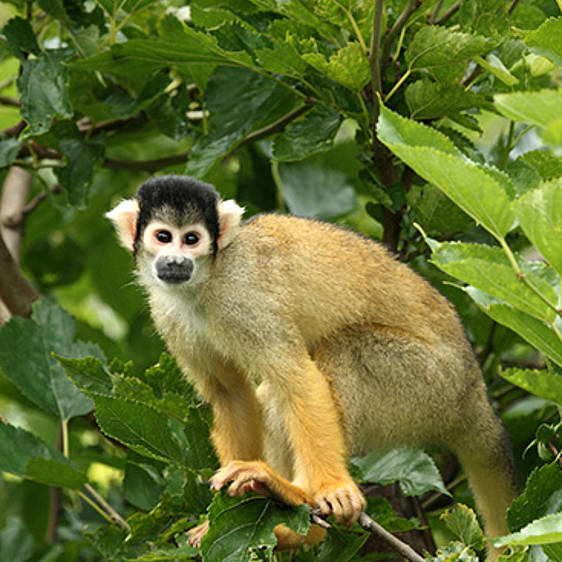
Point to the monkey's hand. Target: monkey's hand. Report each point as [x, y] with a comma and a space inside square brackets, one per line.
[342, 499]
[257, 476]
[197, 533]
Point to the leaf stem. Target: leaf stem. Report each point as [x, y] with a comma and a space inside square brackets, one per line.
[95, 506]
[65, 440]
[523, 278]
[110, 513]
[397, 85]
[395, 30]
[375, 57]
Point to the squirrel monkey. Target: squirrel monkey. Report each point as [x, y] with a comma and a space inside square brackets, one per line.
[311, 344]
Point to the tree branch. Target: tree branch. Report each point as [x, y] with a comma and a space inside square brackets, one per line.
[150, 166]
[4, 100]
[454, 8]
[395, 30]
[399, 546]
[375, 57]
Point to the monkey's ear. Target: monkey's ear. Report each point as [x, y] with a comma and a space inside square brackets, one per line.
[124, 218]
[230, 214]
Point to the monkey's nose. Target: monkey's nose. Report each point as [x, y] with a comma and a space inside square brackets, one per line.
[174, 269]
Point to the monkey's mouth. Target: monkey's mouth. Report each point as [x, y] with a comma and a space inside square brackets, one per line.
[174, 269]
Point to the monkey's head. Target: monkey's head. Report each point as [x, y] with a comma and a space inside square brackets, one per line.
[174, 227]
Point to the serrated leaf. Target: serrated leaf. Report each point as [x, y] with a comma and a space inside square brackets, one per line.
[20, 38]
[444, 53]
[28, 456]
[310, 135]
[238, 100]
[542, 383]
[282, 58]
[43, 85]
[546, 530]
[536, 108]
[164, 427]
[547, 39]
[428, 100]
[238, 525]
[523, 176]
[349, 66]
[479, 191]
[25, 358]
[540, 215]
[178, 45]
[9, 148]
[534, 331]
[313, 191]
[435, 212]
[463, 523]
[488, 269]
[546, 164]
[415, 470]
[537, 496]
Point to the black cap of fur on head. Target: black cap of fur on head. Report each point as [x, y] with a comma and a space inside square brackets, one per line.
[184, 199]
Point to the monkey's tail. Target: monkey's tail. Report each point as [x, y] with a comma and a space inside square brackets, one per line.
[485, 454]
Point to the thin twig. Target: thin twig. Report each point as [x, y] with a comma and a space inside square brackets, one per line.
[435, 12]
[115, 517]
[451, 11]
[375, 55]
[275, 127]
[395, 30]
[145, 165]
[5, 100]
[399, 546]
[512, 7]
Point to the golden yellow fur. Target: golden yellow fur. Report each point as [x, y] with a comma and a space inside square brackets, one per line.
[311, 344]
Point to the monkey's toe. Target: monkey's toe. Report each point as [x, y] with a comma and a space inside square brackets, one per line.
[197, 533]
[344, 501]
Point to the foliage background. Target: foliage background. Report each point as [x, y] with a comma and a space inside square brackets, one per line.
[275, 103]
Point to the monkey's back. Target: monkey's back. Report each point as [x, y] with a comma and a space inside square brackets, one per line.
[381, 333]
[332, 276]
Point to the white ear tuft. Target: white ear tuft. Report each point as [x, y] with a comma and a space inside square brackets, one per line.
[230, 214]
[124, 218]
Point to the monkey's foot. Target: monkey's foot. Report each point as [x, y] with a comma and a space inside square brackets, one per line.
[259, 477]
[343, 500]
[197, 533]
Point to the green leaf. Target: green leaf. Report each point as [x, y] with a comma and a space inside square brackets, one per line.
[435, 212]
[238, 100]
[239, 525]
[547, 165]
[178, 45]
[20, 38]
[546, 530]
[349, 66]
[25, 455]
[524, 176]
[16, 542]
[540, 215]
[495, 66]
[25, 358]
[9, 148]
[534, 331]
[445, 53]
[164, 427]
[461, 520]
[282, 58]
[43, 85]
[538, 497]
[141, 485]
[415, 470]
[314, 191]
[547, 39]
[542, 383]
[455, 552]
[488, 269]
[479, 191]
[428, 100]
[310, 135]
[536, 108]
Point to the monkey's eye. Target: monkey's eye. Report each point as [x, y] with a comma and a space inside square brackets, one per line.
[163, 236]
[191, 238]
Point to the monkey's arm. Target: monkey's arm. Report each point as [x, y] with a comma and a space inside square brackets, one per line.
[303, 399]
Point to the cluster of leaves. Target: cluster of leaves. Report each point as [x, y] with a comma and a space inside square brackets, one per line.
[433, 125]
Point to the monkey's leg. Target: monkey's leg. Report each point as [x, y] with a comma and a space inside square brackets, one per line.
[237, 426]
